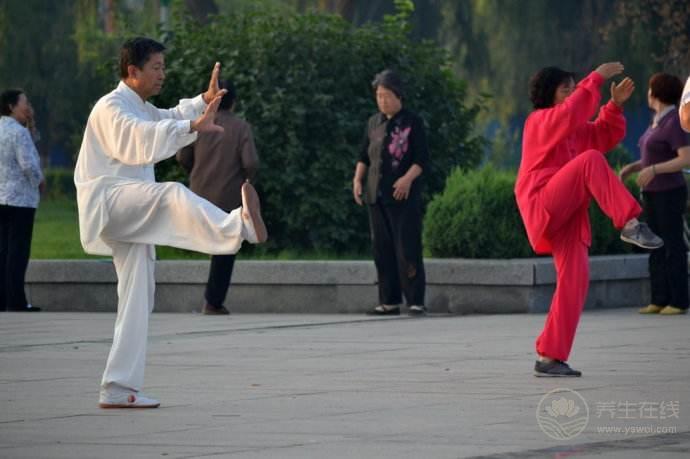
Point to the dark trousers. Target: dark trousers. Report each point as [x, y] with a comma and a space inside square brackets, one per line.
[219, 276]
[668, 265]
[16, 228]
[396, 236]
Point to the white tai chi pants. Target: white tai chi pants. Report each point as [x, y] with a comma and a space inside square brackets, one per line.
[142, 215]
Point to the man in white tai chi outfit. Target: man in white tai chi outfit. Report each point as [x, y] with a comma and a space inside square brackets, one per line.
[123, 212]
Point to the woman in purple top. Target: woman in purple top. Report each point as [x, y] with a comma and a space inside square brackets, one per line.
[664, 152]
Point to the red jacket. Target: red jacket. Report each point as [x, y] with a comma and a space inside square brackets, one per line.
[554, 136]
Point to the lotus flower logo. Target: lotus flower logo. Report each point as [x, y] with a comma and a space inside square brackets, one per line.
[562, 414]
[563, 407]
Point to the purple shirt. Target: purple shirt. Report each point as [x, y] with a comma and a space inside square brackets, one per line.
[660, 144]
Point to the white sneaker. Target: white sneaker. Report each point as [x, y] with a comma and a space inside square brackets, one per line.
[127, 400]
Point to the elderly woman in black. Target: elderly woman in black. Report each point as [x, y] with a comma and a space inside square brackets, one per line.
[388, 178]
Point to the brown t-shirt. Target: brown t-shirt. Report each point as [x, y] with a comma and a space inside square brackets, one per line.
[219, 162]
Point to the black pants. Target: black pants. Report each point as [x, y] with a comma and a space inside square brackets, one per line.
[668, 265]
[16, 228]
[219, 276]
[396, 236]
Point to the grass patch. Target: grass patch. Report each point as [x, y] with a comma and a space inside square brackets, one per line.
[56, 236]
[56, 231]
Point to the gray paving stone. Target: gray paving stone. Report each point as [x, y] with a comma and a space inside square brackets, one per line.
[338, 386]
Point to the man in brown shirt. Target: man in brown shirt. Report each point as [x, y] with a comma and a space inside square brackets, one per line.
[218, 163]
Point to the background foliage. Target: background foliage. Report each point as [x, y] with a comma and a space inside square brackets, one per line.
[304, 83]
[63, 53]
[476, 217]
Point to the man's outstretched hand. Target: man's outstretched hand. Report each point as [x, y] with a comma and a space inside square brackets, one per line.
[205, 122]
[213, 87]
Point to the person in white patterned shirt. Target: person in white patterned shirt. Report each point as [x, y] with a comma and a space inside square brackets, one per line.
[21, 182]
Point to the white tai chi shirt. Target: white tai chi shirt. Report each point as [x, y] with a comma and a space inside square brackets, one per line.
[124, 137]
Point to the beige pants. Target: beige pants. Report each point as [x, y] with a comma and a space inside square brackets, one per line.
[142, 215]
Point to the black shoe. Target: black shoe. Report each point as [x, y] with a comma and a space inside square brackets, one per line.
[554, 369]
[27, 308]
[416, 311]
[641, 236]
[209, 310]
[384, 310]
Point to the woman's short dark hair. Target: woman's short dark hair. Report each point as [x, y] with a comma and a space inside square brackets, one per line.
[137, 51]
[667, 88]
[389, 80]
[543, 85]
[229, 97]
[8, 99]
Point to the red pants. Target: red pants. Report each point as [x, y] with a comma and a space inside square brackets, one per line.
[566, 198]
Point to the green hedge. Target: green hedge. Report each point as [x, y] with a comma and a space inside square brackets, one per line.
[476, 216]
[59, 183]
[304, 84]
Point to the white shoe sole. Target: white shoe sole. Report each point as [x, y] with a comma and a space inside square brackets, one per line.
[252, 206]
[638, 244]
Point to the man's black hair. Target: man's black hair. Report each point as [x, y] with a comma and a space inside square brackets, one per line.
[229, 98]
[137, 51]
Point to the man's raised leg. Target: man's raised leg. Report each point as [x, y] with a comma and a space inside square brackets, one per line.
[170, 214]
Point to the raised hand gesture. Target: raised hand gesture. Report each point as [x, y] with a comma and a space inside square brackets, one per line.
[622, 91]
[213, 87]
[610, 69]
[205, 123]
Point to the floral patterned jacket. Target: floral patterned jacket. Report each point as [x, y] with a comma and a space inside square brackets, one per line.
[390, 147]
[20, 168]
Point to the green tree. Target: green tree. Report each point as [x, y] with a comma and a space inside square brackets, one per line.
[663, 26]
[304, 84]
[37, 54]
[457, 219]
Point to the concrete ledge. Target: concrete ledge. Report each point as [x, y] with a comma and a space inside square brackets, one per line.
[459, 286]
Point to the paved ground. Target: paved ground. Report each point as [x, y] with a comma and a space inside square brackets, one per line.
[339, 386]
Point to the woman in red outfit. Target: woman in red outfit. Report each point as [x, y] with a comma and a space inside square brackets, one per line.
[562, 169]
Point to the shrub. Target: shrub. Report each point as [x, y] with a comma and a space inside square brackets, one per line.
[59, 184]
[476, 216]
[304, 84]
